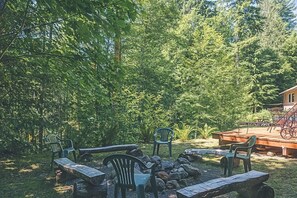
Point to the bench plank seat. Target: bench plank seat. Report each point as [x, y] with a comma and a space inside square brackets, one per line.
[127, 147]
[221, 186]
[90, 175]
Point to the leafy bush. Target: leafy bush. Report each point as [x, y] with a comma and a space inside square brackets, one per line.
[183, 131]
[261, 115]
[206, 131]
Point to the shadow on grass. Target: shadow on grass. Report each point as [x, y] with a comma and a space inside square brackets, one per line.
[29, 176]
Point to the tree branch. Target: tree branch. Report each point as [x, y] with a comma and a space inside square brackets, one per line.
[17, 33]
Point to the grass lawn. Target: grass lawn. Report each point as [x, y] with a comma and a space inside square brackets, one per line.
[30, 175]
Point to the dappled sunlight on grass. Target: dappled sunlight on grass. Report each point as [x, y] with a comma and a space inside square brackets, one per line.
[272, 163]
[10, 168]
[30, 195]
[8, 164]
[212, 159]
[61, 189]
[34, 166]
[25, 176]
[24, 170]
[30, 169]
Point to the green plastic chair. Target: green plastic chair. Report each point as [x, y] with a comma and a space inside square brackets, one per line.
[130, 178]
[163, 136]
[241, 151]
[59, 147]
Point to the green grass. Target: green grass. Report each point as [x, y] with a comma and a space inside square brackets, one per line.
[30, 175]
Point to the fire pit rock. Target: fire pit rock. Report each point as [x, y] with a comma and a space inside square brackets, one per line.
[174, 174]
[169, 174]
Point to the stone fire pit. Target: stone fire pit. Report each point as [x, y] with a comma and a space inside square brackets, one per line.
[170, 174]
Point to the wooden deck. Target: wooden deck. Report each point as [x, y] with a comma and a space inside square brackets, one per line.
[265, 139]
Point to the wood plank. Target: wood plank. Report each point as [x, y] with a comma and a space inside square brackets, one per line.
[112, 148]
[221, 186]
[264, 139]
[86, 173]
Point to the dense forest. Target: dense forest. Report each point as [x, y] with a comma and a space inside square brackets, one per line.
[111, 71]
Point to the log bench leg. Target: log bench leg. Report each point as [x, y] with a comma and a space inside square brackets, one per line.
[83, 189]
[62, 176]
[86, 157]
[259, 191]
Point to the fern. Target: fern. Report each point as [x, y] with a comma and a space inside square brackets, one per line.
[206, 131]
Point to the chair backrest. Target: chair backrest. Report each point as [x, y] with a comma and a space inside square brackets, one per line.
[54, 143]
[164, 134]
[124, 166]
[250, 143]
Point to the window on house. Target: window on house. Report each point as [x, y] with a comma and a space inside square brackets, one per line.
[291, 97]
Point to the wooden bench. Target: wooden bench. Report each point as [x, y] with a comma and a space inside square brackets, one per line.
[92, 182]
[248, 184]
[85, 152]
[88, 174]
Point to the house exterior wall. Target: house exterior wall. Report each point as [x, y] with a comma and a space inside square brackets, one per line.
[289, 99]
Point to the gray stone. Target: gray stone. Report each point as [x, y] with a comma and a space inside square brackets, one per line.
[192, 157]
[194, 172]
[172, 184]
[135, 152]
[183, 183]
[174, 176]
[184, 174]
[160, 184]
[156, 159]
[182, 160]
[163, 175]
[84, 189]
[167, 165]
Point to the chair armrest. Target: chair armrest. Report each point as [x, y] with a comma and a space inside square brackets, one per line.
[155, 136]
[241, 148]
[149, 165]
[55, 146]
[171, 136]
[236, 145]
[68, 142]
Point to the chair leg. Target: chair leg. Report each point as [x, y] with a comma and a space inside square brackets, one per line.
[63, 153]
[154, 148]
[225, 164]
[140, 191]
[249, 165]
[245, 164]
[52, 160]
[116, 190]
[123, 191]
[74, 156]
[154, 186]
[170, 149]
[230, 165]
[158, 146]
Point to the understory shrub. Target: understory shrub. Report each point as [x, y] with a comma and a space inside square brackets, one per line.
[206, 131]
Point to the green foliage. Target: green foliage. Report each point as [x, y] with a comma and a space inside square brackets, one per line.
[183, 131]
[206, 131]
[113, 71]
[261, 115]
[52, 79]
